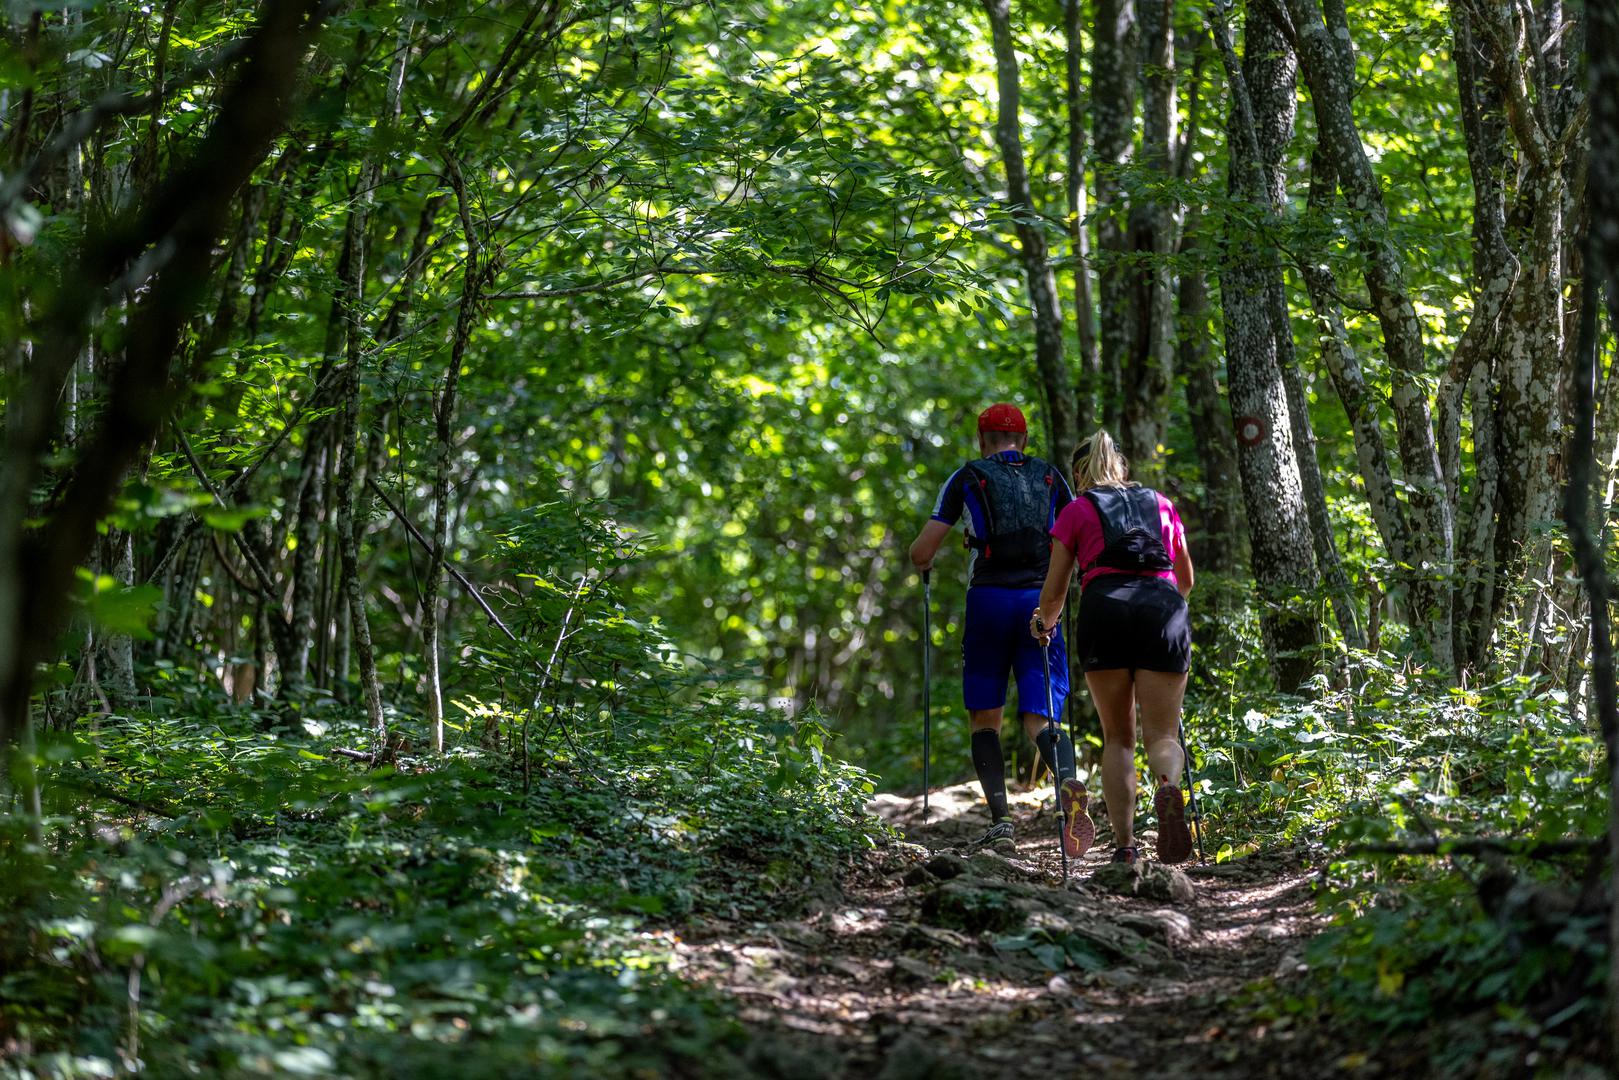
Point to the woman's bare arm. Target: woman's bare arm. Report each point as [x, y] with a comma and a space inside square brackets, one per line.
[1054, 593]
[1183, 570]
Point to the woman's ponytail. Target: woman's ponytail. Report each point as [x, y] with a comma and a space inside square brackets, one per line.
[1097, 462]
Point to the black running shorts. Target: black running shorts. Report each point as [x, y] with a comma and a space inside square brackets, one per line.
[1127, 621]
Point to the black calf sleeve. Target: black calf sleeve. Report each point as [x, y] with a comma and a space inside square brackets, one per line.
[990, 764]
[1064, 765]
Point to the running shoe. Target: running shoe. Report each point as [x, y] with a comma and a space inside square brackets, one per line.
[1174, 838]
[1078, 830]
[1127, 855]
[998, 837]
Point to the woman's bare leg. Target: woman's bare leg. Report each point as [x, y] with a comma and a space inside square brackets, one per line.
[1158, 697]
[1113, 693]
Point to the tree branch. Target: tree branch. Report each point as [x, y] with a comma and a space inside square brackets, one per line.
[460, 578]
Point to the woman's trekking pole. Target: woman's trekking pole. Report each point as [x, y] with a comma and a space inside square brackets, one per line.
[1068, 634]
[1054, 732]
[1191, 785]
[927, 709]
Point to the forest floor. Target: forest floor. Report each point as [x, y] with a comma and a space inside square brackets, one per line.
[928, 961]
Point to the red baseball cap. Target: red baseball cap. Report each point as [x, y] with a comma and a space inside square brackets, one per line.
[1003, 418]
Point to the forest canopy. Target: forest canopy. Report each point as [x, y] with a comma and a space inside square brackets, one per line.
[459, 463]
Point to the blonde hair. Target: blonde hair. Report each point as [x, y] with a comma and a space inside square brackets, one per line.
[1098, 463]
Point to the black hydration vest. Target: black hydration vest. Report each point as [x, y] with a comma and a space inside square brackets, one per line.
[1132, 536]
[1017, 511]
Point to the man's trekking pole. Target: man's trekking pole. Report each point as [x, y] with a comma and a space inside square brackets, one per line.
[1191, 784]
[927, 705]
[1054, 732]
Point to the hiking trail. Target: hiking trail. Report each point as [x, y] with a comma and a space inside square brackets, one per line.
[924, 962]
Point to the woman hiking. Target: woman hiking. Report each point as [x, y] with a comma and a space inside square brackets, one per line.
[1132, 636]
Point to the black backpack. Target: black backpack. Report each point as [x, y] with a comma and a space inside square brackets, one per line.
[1017, 510]
[1132, 537]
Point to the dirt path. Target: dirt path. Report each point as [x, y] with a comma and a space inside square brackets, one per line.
[930, 964]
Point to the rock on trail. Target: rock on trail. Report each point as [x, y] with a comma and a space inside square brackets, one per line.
[936, 961]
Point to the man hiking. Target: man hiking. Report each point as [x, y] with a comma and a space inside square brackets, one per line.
[1010, 501]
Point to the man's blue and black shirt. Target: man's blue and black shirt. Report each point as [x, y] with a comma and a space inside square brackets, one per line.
[960, 495]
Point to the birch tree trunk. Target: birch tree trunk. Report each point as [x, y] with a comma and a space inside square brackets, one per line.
[1526, 79]
[1433, 539]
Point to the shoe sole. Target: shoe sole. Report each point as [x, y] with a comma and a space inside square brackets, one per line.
[1174, 838]
[1078, 830]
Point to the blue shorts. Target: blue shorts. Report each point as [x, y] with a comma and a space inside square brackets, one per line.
[997, 643]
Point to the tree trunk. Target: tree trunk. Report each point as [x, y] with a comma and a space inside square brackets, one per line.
[1088, 385]
[1601, 265]
[1577, 502]
[352, 286]
[1343, 366]
[350, 467]
[1271, 71]
[443, 418]
[1048, 327]
[118, 650]
[331, 602]
[1220, 546]
[1150, 362]
[1473, 368]
[1278, 526]
[1115, 61]
[307, 558]
[1515, 350]
[1323, 537]
[182, 602]
[1528, 389]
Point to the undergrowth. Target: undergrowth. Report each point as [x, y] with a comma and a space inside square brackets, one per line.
[1484, 961]
[234, 892]
[255, 905]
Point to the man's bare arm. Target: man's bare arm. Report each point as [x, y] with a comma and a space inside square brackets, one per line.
[925, 548]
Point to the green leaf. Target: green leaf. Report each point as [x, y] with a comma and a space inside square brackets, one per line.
[231, 519]
[120, 609]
